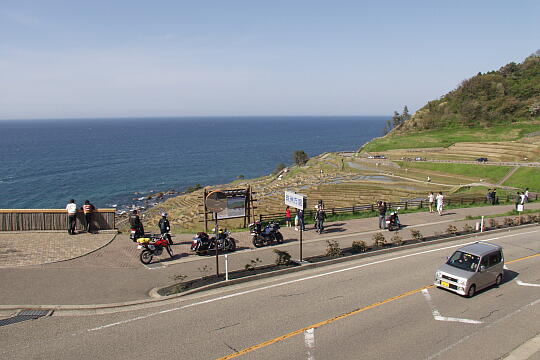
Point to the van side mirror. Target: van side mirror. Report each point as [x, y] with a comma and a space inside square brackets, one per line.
[482, 268]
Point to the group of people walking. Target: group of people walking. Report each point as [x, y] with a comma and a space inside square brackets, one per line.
[438, 201]
[87, 209]
[299, 223]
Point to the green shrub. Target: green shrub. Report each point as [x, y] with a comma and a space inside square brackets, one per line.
[397, 239]
[379, 239]
[359, 246]
[467, 228]
[417, 235]
[451, 229]
[493, 223]
[252, 264]
[283, 257]
[332, 248]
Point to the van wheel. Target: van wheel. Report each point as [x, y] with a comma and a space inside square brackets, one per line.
[499, 279]
[472, 291]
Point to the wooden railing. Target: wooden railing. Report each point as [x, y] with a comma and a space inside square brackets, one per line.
[52, 219]
[409, 204]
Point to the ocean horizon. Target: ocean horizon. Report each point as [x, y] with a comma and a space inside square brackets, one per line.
[112, 161]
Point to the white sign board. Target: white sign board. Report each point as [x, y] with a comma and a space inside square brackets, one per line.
[236, 207]
[295, 200]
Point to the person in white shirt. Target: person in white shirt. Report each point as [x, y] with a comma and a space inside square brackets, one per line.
[527, 195]
[440, 203]
[431, 199]
[71, 209]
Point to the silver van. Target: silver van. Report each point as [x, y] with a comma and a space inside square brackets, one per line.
[472, 268]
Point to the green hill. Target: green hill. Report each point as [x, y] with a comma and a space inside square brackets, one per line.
[508, 95]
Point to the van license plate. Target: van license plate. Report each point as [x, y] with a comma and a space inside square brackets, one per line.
[445, 284]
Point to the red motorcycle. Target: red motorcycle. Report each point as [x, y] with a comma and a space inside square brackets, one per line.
[153, 246]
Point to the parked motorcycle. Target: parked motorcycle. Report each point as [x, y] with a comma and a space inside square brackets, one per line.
[202, 244]
[266, 236]
[136, 233]
[392, 221]
[153, 246]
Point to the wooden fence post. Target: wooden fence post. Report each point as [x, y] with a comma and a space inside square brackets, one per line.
[421, 204]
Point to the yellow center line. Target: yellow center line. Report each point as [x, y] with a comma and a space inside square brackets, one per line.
[523, 258]
[339, 317]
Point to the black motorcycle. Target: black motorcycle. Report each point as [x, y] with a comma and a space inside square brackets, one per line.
[202, 244]
[392, 221]
[265, 236]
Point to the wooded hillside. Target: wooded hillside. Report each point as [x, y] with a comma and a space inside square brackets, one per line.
[510, 94]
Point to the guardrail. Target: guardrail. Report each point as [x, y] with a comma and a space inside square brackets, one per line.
[52, 219]
[409, 204]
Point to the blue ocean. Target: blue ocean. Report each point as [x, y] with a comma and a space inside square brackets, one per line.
[44, 163]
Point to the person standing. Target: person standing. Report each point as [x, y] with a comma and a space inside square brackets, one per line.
[381, 207]
[494, 197]
[88, 209]
[288, 216]
[71, 209]
[440, 203]
[489, 197]
[165, 227]
[527, 195]
[135, 223]
[319, 220]
[301, 223]
[518, 200]
[431, 199]
[296, 221]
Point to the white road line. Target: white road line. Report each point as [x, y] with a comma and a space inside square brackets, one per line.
[296, 281]
[526, 350]
[309, 339]
[519, 282]
[437, 315]
[482, 328]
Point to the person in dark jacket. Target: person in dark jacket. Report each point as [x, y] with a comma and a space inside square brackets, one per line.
[88, 210]
[300, 214]
[165, 227]
[136, 223]
[381, 207]
[319, 220]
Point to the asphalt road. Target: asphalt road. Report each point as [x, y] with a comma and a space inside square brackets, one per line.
[380, 307]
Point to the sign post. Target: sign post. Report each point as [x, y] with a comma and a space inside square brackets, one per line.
[298, 201]
[216, 201]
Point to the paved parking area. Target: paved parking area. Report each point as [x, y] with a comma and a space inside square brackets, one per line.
[31, 248]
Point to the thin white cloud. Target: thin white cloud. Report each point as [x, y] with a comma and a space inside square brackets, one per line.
[21, 19]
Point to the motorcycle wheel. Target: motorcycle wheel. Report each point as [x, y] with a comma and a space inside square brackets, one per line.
[169, 250]
[257, 241]
[279, 237]
[146, 257]
[232, 245]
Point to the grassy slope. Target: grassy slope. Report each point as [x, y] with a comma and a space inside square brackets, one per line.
[488, 172]
[448, 136]
[525, 177]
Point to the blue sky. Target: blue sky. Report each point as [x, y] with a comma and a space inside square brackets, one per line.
[63, 59]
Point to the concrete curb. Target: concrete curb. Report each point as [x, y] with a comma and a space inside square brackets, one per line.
[158, 300]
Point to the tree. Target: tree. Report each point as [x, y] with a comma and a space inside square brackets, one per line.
[396, 119]
[300, 157]
[385, 129]
[405, 115]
